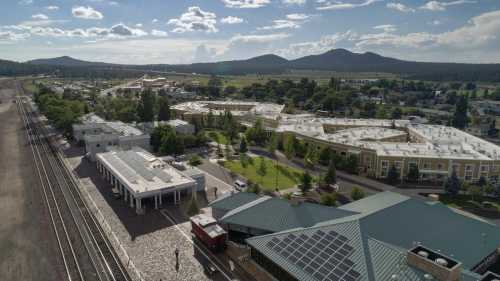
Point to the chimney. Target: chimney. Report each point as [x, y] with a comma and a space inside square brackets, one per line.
[439, 266]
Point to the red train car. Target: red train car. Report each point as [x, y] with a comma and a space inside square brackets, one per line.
[207, 230]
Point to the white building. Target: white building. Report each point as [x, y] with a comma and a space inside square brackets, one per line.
[145, 180]
[99, 135]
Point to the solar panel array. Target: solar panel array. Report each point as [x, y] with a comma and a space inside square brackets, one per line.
[322, 255]
[125, 170]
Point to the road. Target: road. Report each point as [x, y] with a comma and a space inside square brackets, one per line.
[28, 249]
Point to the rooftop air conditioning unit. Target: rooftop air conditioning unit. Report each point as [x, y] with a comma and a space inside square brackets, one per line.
[441, 267]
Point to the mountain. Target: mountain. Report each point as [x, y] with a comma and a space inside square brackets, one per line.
[65, 61]
[338, 60]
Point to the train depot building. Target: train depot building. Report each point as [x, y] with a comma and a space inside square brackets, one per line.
[384, 237]
[143, 180]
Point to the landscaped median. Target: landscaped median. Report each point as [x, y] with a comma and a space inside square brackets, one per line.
[252, 169]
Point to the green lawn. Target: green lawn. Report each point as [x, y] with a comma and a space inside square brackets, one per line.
[217, 136]
[288, 177]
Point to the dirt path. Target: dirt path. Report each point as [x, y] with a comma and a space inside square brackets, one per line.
[28, 248]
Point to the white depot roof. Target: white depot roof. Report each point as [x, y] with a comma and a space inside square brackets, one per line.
[142, 173]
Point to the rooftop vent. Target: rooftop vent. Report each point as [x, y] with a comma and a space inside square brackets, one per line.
[439, 266]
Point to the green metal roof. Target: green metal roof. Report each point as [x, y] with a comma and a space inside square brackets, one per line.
[382, 235]
[275, 214]
[233, 201]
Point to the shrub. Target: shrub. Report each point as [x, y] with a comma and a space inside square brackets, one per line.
[357, 193]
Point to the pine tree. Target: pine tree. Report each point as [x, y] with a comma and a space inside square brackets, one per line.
[164, 109]
[243, 145]
[331, 174]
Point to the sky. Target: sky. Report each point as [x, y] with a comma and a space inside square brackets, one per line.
[186, 31]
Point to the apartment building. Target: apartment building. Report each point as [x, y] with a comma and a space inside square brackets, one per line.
[379, 144]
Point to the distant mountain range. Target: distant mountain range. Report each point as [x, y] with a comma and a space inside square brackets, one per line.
[339, 60]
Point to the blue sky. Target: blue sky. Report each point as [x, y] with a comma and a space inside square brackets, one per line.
[167, 31]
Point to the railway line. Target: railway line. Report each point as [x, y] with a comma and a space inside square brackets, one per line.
[85, 250]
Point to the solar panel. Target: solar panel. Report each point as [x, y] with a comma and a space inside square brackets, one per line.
[322, 255]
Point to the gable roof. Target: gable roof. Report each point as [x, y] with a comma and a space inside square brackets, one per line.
[281, 215]
[232, 201]
[391, 225]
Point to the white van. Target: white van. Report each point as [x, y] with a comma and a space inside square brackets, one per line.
[240, 185]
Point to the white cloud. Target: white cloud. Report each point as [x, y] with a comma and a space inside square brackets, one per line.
[121, 30]
[204, 53]
[39, 17]
[138, 25]
[386, 27]
[400, 7]
[435, 22]
[159, 33]
[154, 21]
[25, 2]
[245, 4]
[259, 38]
[195, 19]
[231, 20]
[281, 24]
[481, 30]
[8, 36]
[117, 31]
[441, 6]
[297, 16]
[338, 5]
[291, 21]
[86, 13]
[294, 2]
[325, 43]
[52, 8]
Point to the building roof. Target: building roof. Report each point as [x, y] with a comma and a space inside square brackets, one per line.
[234, 200]
[375, 242]
[285, 215]
[142, 173]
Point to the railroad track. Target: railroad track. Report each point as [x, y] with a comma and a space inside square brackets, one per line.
[85, 250]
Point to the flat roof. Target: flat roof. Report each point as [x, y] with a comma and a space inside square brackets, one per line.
[144, 174]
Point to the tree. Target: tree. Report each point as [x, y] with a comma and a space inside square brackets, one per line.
[328, 199]
[262, 170]
[482, 181]
[393, 175]
[460, 115]
[413, 173]
[254, 188]
[452, 184]
[146, 106]
[305, 182]
[351, 164]
[331, 174]
[195, 160]
[163, 109]
[357, 193]
[396, 113]
[243, 145]
[289, 146]
[497, 190]
[475, 192]
[193, 208]
[492, 130]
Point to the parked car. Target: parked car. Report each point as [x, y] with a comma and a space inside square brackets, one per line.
[240, 185]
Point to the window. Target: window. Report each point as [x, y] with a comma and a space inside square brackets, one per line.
[469, 171]
[440, 166]
[98, 145]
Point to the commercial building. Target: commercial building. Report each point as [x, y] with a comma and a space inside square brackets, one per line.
[141, 178]
[383, 237]
[99, 135]
[437, 151]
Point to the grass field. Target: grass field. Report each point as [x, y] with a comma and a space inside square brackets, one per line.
[29, 86]
[288, 177]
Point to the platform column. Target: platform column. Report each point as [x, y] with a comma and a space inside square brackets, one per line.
[160, 199]
[131, 200]
[156, 202]
[125, 194]
[138, 206]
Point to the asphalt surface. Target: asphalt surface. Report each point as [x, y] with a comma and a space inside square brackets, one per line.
[28, 248]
